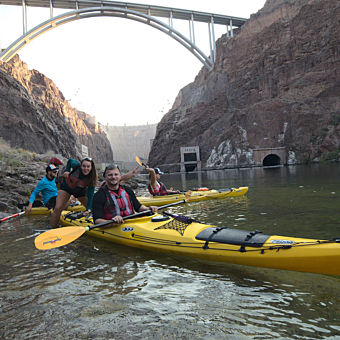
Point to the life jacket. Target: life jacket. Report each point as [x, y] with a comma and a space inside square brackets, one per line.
[73, 180]
[161, 192]
[117, 204]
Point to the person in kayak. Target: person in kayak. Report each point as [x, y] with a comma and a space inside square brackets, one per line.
[156, 187]
[80, 179]
[113, 201]
[48, 189]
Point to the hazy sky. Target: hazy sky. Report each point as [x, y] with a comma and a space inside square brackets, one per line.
[121, 71]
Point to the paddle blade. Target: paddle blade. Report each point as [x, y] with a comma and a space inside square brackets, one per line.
[139, 161]
[58, 237]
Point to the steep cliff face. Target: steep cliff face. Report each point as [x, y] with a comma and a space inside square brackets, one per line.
[276, 84]
[34, 115]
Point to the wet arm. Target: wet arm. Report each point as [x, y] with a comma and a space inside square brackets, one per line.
[71, 164]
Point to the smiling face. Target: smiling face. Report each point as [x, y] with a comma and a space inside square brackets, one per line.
[86, 167]
[112, 178]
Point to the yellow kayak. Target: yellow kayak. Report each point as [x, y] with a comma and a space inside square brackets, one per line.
[195, 196]
[46, 211]
[183, 236]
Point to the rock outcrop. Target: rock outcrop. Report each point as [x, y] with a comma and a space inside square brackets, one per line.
[20, 171]
[274, 85]
[34, 115]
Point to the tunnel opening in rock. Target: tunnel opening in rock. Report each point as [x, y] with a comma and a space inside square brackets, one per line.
[271, 160]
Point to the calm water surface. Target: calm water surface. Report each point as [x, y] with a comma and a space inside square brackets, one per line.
[92, 289]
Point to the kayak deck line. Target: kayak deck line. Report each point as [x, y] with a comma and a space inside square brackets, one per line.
[195, 196]
[184, 236]
[141, 238]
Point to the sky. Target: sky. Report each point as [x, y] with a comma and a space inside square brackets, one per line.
[120, 71]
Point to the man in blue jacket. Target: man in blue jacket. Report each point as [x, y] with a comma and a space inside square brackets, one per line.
[47, 187]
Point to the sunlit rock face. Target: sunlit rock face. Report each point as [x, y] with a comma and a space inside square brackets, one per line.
[276, 84]
[34, 115]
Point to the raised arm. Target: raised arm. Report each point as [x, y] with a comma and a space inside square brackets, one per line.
[153, 180]
[129, 175]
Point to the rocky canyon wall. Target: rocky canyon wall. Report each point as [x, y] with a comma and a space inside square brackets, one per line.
[274, 85]
[35, 116]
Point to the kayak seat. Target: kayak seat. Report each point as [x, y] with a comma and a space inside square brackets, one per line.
[232, 236]
[224, 190]
[72, 216]
[160, 218]
[78, 216]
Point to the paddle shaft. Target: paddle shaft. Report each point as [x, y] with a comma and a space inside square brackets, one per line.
[12, 216]
[55, 238]
[134, 215]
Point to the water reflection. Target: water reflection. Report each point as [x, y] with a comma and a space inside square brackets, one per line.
[92, 289]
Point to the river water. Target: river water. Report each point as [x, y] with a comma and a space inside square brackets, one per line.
[91, 289]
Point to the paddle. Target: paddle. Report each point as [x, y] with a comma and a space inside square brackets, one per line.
[12, 216]
[140, 162]
[187, 193]
[58, 237]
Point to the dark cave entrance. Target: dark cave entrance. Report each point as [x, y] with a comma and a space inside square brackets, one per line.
[271, 160]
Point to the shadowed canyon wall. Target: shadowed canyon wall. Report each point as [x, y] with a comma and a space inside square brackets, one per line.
[35, 116]
[274, 85]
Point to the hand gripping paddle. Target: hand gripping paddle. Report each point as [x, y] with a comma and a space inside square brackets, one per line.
[58, 237]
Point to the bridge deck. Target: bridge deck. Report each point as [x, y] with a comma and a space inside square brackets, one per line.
[156, 11]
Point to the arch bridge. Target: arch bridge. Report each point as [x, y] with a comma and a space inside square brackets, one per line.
[146, 14]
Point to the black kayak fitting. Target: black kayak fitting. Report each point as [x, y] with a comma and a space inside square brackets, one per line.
[232, 236]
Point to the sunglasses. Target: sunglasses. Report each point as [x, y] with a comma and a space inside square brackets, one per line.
[89, 159]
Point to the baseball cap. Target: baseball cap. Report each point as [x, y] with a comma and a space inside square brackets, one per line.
[158, 171]
[51, 167]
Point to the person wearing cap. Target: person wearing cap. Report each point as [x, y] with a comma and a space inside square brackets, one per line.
[156, 187]
[47, 188]
[80, 179]
[113, 201]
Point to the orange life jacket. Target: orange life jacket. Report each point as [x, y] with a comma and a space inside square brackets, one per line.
[117, 204]
[162, 190]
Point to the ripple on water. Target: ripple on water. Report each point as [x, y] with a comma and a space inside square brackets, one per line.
[91, 289]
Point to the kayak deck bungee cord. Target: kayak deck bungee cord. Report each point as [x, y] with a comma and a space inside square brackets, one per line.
[185, 236]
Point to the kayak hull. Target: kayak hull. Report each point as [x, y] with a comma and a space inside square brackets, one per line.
[195, 196]
[46, 211]
[174, 237]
